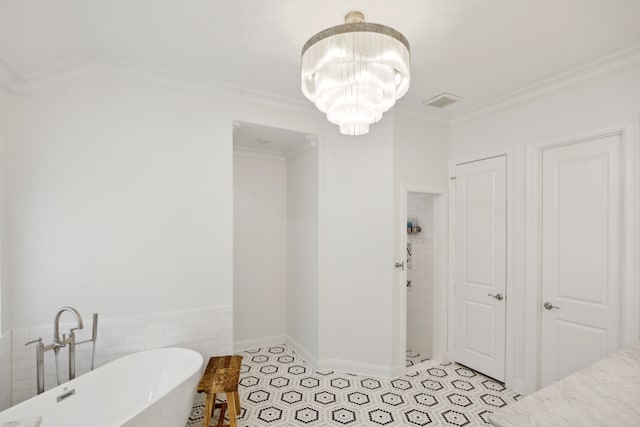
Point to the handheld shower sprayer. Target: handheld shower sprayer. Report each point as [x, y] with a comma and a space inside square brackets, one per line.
[94, 336]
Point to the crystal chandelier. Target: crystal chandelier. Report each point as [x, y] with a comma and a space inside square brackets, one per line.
[355, 72]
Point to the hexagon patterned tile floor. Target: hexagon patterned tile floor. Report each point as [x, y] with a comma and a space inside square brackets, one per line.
[277, 388]
[414, 358]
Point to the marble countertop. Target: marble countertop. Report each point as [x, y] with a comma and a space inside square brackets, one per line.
[606, 393]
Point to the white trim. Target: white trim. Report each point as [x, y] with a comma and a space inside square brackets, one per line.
[310, 143]
[631, 245]
[451, 288]
[359, 368]
[630, 133]
[53, 72]
[511, 353]
[254, 343]
[558, 82]
[256, 153]
[10, 78]
[59, 71]
[511, 266]
[303, 352]
[439, 274]
[184, 81]
[340, 365]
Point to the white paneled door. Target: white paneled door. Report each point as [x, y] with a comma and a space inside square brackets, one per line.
[480, 265]
[581, 255]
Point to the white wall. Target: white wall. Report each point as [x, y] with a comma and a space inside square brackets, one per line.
[420, 153]
[5, 370]
[260, 251]
[5, 306]
[302, 252]
[5, 297]
[120, 200]
[356, 244]
[582, 107]
[420, 273]
[421, 150]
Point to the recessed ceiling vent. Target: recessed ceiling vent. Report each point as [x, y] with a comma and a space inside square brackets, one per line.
[442, 100]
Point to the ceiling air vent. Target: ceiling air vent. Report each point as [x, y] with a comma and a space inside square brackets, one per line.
[442, 100]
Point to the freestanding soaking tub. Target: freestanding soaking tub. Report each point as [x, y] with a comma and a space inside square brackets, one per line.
[150, 388]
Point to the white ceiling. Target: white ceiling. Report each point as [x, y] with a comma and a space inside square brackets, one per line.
[478, 49]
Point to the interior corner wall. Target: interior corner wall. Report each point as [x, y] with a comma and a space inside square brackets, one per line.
[356, 259]
[421, 152]
[582, 107]
[259, 251]
[302, 253]
[5, 334]
[120, 199]
[5, 307]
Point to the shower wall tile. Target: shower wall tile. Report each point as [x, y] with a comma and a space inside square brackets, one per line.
[5, 371]
[420, 273]
[207, 330]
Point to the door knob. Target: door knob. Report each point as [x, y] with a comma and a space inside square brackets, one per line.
[550, 306]
[400, 265]
[499, 297]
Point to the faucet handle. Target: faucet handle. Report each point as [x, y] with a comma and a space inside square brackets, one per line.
[39, 341]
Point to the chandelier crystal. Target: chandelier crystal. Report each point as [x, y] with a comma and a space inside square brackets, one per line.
[355, 72]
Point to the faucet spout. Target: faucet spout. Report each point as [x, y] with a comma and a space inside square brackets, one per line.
[56, 323]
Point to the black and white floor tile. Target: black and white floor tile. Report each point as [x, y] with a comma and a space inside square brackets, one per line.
[277, 388]
[414, 358]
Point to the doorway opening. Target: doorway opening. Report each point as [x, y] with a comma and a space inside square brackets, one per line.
[275, 180]
[423, 296]
[419, 266]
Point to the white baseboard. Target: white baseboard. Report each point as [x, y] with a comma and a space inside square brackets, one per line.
[358, 368]
[339, 365]
[303, 352]
[259, 342]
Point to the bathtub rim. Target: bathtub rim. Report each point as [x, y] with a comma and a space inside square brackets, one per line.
[54, 391]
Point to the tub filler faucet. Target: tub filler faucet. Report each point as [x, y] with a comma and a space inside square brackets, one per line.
[71, 340]
[60, 342]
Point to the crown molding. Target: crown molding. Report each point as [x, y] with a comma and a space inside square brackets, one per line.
[311, 142]
[59, 71]
[558, 82]
[264, 154]
[256, 153]
[184, 81]
[11, 78]
[419, 113]
[56, 72]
